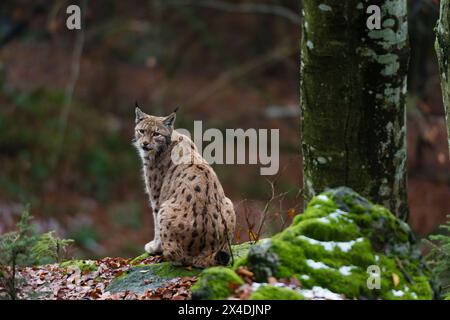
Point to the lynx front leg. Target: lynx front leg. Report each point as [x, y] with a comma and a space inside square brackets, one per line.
[155, 246]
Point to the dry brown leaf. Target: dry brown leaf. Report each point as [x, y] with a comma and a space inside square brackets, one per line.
[244, 272]
[291, 213]
[272, 280]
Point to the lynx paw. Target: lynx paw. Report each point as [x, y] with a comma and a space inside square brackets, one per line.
[153, 247]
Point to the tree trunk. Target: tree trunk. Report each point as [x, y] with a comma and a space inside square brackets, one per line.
[353, 85]
[442, 49]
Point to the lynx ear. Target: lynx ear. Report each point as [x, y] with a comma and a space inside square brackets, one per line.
[170, 119]
[139, 114]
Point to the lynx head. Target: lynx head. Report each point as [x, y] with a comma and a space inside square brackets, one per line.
[152, 135]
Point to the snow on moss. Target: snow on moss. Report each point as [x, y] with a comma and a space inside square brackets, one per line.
[325, 7]
[345, 246]
[329, 248]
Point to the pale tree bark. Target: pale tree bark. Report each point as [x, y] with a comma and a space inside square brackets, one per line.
[442, 49]
[353, 86]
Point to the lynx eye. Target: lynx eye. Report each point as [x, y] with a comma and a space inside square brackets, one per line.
[156, 134]
[141, 131]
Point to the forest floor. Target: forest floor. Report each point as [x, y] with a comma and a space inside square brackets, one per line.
[54, 282]
[59, 282]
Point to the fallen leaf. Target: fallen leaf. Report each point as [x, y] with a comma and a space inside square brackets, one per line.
[291, 213]
[395, 279]
[272, 280]
[252, 235]
[242, 271]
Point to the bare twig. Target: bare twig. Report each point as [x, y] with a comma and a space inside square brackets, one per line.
[265, 211]
[260, 8]
[70, 87]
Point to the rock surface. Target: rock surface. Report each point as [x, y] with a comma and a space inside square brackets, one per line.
[141, 278]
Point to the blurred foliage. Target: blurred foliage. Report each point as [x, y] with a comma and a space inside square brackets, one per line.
[95, 157]
[25, 247]
[127, 214]
[87, 237]
[439, 259]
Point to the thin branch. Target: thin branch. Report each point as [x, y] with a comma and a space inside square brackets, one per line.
[260, 8]
[70, 86]
[265, 212]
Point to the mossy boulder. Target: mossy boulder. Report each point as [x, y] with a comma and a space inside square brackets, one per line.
[335, 245]
[270, 292]
[141, 278]
[216, 283]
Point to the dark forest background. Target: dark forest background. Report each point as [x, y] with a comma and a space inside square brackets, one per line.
[67, 110]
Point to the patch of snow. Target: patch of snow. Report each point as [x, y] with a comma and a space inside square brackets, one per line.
[320, 293]
[397, 293]
[346, 270]
[323, 220]
[316, 293]
[325, 7]
[323, 197]
[331, 245]
[338, 214]
[256, 285]
[316, 264]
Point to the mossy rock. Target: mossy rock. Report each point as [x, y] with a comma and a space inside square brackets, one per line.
[141, 278]
[83, 265]
[270, 292]
[336, 240]
[144, 277]
[332, 245]
[215, 283]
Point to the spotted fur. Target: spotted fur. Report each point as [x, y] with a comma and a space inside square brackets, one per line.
[194, 220]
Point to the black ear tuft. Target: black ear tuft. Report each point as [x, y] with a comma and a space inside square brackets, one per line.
[139, 114]
[176, 109]
[170, 120]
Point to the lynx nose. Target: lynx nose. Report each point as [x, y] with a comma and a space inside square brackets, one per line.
[144, 144]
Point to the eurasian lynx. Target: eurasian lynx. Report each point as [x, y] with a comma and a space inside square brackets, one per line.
[194, 220]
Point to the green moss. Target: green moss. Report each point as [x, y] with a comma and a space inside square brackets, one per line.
[83, 265]
[241, 250]
[139, 258]
[215, 284]
[269, 292]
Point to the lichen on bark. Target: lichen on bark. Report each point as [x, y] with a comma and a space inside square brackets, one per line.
[442, 50]
[353, 86]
